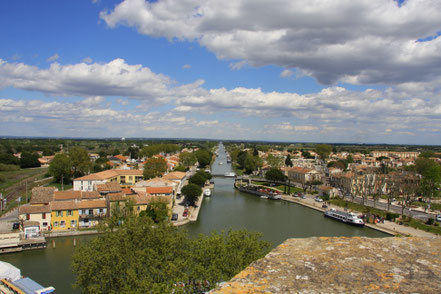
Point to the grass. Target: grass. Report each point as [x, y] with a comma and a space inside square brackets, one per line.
[411, 222]
[14, 177]
[58, 186]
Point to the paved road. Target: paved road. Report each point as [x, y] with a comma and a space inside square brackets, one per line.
[418, 214]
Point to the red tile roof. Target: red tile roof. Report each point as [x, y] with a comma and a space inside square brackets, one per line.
[159, 190]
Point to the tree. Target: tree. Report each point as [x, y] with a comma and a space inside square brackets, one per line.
[187, 159]
[431, 177]
[197, 179]
[80, 160]
[255, 152]
[323, 150]
[154, 167]
[274, 175]
[61, 168]
[180, 168]
[156, 211]
[274, 161]
[144, 257]
[28, 160]
[204, 157]
[288, 161]
[349, 159]
[9, 159]
[192, 192]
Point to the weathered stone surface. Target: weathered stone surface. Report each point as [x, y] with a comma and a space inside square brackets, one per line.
[344, 265]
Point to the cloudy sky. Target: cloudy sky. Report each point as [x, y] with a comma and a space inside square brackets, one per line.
[364, 71]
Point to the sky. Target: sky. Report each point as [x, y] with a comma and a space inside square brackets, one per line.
[365, 71]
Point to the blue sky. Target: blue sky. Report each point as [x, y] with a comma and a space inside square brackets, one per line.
[363, 72]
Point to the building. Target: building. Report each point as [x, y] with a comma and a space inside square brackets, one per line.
[395, 154]
[38, 210]
[64, 215]
[160, 191]
[302, 175]
[90, 212]
[125, 178]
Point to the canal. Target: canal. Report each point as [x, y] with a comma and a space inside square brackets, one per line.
[226, 208]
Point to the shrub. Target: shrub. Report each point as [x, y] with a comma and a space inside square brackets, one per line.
[390, 216]
[8, 167]
[430, 221]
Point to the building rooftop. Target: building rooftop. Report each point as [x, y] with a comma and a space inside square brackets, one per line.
[344, 265]
[42, 195]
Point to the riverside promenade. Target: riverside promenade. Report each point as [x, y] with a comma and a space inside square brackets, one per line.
[387, 227]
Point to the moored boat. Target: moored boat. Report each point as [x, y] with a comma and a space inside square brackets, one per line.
[345, 217]
[207, 192]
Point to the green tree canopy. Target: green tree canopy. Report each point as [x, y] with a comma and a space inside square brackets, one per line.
[275, 174]
[288, 161]
[187, 159]
[28, 160]
[204, 157]
[7, 158]
[141, 257]
[80, 160]
[154, 167]
[274, 161]
[156, 211]
[323, 150]
[61, 167]
[192, 192]
[197, 179]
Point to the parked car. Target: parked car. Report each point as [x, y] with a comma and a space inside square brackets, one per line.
[16, 226]
[438, 218]
[185, 214]
[318, 199]
[302, 196]
[174, 217]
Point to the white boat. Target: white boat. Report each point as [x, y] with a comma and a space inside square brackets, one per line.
[264, 197]
[221, 163]
[346, 217]
[207, 192]
[229, 174]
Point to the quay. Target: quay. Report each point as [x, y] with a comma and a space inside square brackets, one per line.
[15, 242]
[388, 227]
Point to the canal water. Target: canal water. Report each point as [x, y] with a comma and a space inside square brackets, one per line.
[226, 208]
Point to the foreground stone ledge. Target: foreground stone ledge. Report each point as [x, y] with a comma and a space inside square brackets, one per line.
[344, 265]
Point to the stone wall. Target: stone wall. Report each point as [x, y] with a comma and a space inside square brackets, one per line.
[344, 265]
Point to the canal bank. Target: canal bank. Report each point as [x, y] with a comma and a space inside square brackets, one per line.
[225, 209]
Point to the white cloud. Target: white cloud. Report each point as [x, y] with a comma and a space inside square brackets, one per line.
[87, 60]
[360, 42]
[115, 78]
[286, 73]
[238, 65]
[186, 66]
[53, 57]
[123, 101]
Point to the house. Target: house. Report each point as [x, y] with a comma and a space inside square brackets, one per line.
[124, 177]
[64, 215]
[178, 177]
[45, 160]
[38, 210]
[90, 212]
[302, 175]
[160, 191]
[328, 190]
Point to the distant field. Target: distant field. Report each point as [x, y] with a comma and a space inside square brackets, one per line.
[13, 177]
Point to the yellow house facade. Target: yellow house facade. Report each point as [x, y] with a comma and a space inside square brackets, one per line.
[64, 215]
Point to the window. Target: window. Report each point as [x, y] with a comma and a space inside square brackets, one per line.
[139, 208]
[59, 213]
[101, 210]
[90, 211]
[28, 216]
[73, 223]
[69, 212]
[62, 224]
[55, 224]
[44, 224]
[43, 215]
[131, 178]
